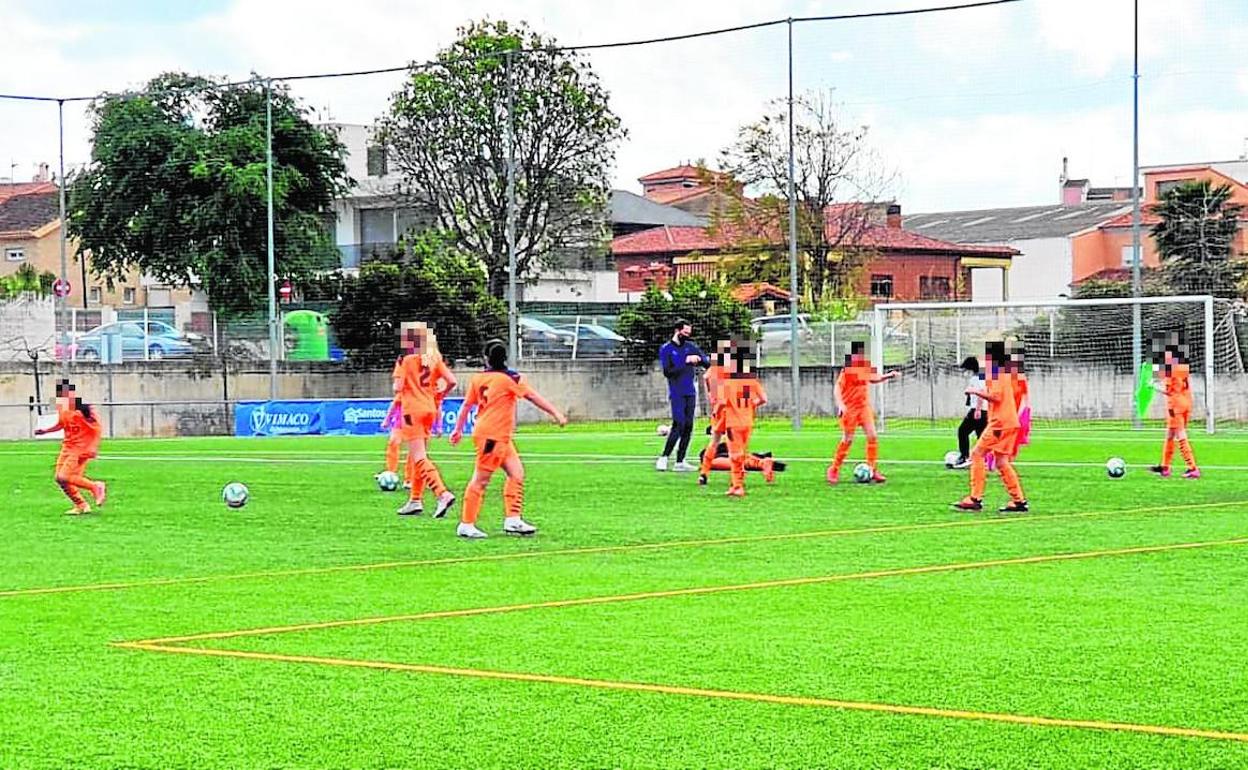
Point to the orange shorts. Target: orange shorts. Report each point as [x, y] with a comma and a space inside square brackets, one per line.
[416, 427]
[999, 441]
[72, 462]
[739, 441]
[493, 452]
[852, 419]
[1177, 420]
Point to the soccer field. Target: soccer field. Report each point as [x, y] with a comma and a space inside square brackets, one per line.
[651, 623]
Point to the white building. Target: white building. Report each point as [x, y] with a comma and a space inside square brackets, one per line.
[1043, 234]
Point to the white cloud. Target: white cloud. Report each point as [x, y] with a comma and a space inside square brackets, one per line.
[1097, 35]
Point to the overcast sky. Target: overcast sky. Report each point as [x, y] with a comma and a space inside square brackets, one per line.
[972, 108]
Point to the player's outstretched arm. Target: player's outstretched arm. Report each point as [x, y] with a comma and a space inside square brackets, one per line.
[53, 429]
[541, 403]
[470, 401]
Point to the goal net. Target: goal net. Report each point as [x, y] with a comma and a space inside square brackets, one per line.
[1080, 357]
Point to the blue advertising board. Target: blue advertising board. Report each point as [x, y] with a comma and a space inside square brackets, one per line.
[335, 417]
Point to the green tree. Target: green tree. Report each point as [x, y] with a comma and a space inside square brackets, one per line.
[446, 134]
[432, 281]
[26, 280]
[715, 315]
[177, 188]
[1196, 240]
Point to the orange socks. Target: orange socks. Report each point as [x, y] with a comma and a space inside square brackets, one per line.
[873, 453]
[979, 475]
[414, 479]
[428, 473]
[392, 455]
[1009, 477]
[1189, 457]
[738, 471]
[472, 504]
[708, 457]
[1167, 452]
[68, 488]
[842, 449]
[513, 497]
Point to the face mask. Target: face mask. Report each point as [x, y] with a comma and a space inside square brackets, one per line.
[683, 338]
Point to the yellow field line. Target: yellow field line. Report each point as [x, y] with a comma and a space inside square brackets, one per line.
[694, 591]
[587, 550]
[784, 700]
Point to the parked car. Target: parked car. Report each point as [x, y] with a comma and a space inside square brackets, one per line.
[593, 339]
[540, 339]
[135, 344]
[774, 331]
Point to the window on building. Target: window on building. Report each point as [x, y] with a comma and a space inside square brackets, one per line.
[377, 161]
[935, 287]
[127, 296]
[882, 286]
[15, 255]
[1165, 187]
[96, 295]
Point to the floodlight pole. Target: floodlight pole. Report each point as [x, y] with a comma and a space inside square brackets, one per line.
[795, 352]
[513, 319]
[63, 301]
[272, 268]
[1137, 342]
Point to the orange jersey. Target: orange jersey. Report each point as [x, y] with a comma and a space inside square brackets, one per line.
[715, 377]
[82, 436]
[419, 384]
[1178, 382]
[495, 395]
[1018, 384]
[1002, 408]
[738, 398]
[853, 387]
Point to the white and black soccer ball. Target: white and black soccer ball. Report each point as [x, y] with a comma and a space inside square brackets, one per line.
[862, 473]
[663, 429]
[1116, 467]
[951, 459]
[387, 481]
[235, 494]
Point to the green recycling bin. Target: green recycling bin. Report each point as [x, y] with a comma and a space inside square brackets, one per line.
[307, 336]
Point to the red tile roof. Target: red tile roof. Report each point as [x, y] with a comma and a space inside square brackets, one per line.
[670, 195]
[24, 188]
[748, 292]
[669, 240]
[1109, 274]
[21, 215]
[678, 172]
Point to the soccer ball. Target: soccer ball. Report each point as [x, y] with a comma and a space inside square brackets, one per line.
[387, 481]
[862, 473]
[235, 494]
[951, 459]
[663, 430]
[1116, 468]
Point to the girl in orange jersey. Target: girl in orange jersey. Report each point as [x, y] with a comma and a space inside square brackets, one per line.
[1174, 378]
[419, 377]
[494, 392]
[82, 430]
[853, 405]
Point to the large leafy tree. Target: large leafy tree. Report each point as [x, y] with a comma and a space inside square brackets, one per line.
[837, 178]
[177, 188]
[446, 134]
[1195, 237]
[709, 307]
[432, 281]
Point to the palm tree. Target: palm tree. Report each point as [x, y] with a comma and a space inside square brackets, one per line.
[1196, 240]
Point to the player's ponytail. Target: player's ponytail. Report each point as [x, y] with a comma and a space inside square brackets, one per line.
[496, 355]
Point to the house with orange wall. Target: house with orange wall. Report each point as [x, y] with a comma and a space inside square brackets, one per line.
[1105, 251]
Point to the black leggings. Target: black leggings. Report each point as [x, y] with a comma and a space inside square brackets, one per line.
[970, 424]
[683, 409]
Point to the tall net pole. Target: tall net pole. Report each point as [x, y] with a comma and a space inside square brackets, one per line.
[1137, 345]
[795, 367]
[62, 300]
[513, 318]
[268, 162]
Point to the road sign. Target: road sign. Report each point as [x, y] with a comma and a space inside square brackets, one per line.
[60, 287]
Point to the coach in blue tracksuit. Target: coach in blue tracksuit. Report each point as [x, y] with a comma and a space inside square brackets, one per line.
[680, 359]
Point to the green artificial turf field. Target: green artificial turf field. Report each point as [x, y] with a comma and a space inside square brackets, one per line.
[650, 624]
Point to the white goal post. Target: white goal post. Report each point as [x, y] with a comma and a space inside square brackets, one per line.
[1080, 353]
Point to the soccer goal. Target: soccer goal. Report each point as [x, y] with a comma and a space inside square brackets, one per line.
[1081, 356]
